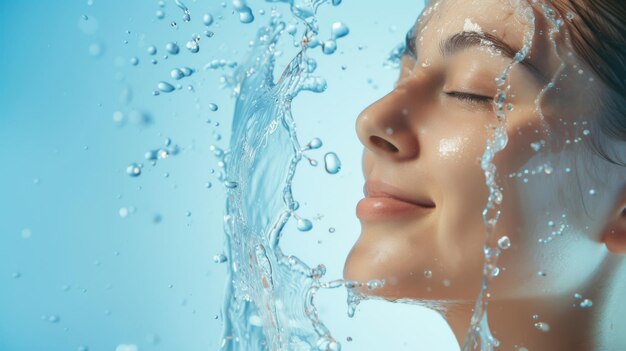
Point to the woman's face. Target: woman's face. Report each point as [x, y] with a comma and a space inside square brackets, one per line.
[424, 142]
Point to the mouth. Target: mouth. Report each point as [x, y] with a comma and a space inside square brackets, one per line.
[383, 202]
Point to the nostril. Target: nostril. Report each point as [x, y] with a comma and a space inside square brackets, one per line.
[383, 144]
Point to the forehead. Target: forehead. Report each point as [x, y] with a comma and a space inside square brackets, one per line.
[443, 18]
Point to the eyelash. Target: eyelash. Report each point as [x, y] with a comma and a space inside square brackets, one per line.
[469, 97]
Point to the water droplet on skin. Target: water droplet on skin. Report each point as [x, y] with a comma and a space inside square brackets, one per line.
[428, 274]
[578, 296]
[332, 163]
[543, 326]
[504, 242]
[207, 19]
[586, 303]
[152, 50]
[375, 284]
[304, 225]
[165, 87]
[339, 30]
[329, 47]
[133, 170]
[172, 48]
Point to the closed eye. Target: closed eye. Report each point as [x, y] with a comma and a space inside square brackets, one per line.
[469, 97]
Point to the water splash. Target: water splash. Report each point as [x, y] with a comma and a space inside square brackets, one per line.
[269, 300]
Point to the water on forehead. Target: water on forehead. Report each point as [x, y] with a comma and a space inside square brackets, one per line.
[447, 17]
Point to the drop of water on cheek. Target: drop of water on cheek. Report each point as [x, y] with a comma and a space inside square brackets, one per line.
[332, 163]
[504, 242]
[304, 225]
[543, 326]
[428, 274]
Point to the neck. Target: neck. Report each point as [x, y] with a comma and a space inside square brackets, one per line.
[513, 321]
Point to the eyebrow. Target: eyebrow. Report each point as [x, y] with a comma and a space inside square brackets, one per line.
[467, 39]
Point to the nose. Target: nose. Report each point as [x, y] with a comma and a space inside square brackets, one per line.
[385, 129]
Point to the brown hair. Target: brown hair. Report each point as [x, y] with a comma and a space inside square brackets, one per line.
[597, 31]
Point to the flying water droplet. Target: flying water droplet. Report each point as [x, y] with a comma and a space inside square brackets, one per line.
[315, 143]
[172, 48]
[152, 50]
[304, 225]
[134, 61]
[246, 16]
[213, 107]
[339, 30]
[207, 19]
[165, 87]
[329, 47]
[332, 163]
[504, 242]
[177, 74]
[193, 46]
[134, 170]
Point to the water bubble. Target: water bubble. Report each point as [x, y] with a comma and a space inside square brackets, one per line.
[134, 61]
[332, 163]
[193, 46]
[578, 296]
[174, 25]
[213, 107]
[339, 30]
[26, 233]
[504, 242]
[177, 74]
[541, 274]
[165, 87]
[586, 132]
[95, 49]
[375, 284]
[220, 258]
[208, 34]
[329, 47]
[536, 146]
[123, 212]
[152, 50]
[586, 303]
[126, 347]
[16, 275]
[159, 14]
[172, 48]
[82, 348]
[134, 170]
[592, 192]
[428, 274]
[543, 326]
[207, 19]
[53, 318]
[208, 185]
[349, 338]
[304, 225]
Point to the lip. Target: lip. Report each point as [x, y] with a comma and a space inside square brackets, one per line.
[384, 201]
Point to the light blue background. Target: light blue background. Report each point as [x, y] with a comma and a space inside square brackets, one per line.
[114, 280]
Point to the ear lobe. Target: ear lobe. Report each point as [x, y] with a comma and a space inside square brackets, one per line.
[614, 236]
